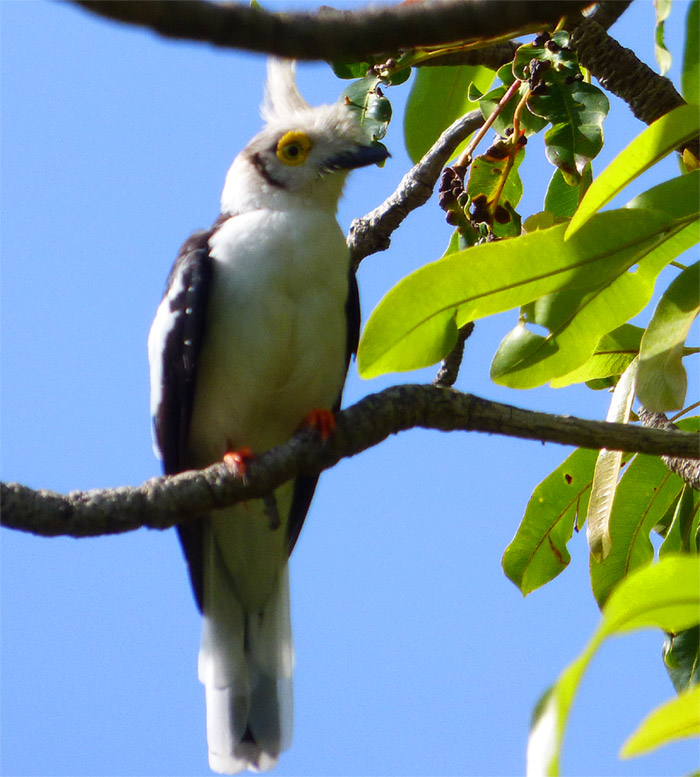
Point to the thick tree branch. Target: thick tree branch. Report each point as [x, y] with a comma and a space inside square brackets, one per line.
[688, 469]
[335, 35]
[163, 502]
[372, 232]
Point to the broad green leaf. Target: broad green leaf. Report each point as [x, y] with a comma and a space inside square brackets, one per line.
[607, 470]
[662, 382]
[576, 111]
[415, 322]
[678, 718]
[665, 595]
[681, 532]
[682, 658]
[613, 354]
[538, 551]
[439, 96]
[653, 144]
[678, 197]
[690, 77]
[577, 318]
[486, 174]
[663, 55]
[645, 492]
[562, 198]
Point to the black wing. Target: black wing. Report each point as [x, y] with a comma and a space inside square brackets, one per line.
[181, 333]
[305, 485]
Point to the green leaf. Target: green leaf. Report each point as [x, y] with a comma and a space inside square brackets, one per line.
[665, 595]
[562, 198]
[367, 98]
[415, 322]
[538, 552]
[607, 470]
[576, 111]
[690, 77]
[578, 318]
[439, 96]
[680, 534]
[613, 354]
[348, 70]
[679, 197]
[653, 144]
[645, 492]
[662, 377]
[682, 658]
[678, 718]
[663, 55]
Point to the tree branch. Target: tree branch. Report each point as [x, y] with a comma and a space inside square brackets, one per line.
[163, 502]
[330, 34]
[372, 232]
[688, 469]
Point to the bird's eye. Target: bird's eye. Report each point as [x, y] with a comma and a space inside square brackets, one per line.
[293, 148]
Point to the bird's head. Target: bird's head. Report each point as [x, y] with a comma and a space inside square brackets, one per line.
[302, 156]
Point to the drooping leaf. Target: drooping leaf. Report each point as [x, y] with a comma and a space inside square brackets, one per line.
[374, 109]
[439, 96]
[683, 524]
[678, 718]
[613, 354]
[682, 658]
[663, 382]
[663, 55]
[690, 77]
[646, 490]
[607, 470]
[576, 111]
[654, 143]
[664, 595]
[562, 198]
[415, 322]
[538, 552]
[577, 318]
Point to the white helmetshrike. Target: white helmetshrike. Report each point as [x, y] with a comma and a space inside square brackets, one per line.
[256, 329]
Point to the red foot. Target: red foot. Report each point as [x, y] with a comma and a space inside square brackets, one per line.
[236, 460]
[321, 420]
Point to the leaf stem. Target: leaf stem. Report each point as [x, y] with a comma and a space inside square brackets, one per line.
[465, 158]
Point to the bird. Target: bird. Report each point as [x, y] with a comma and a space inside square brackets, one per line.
[252, 339]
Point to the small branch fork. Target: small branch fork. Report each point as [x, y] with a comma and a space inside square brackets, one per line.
[166, 501]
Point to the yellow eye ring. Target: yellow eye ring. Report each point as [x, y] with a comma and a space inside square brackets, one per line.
[293, 148]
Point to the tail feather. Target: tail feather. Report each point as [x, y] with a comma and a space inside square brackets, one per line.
[245, 663]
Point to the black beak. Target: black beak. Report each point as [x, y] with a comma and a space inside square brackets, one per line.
[360, 156]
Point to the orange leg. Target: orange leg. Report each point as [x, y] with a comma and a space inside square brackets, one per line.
[321, 420]
[236, 460]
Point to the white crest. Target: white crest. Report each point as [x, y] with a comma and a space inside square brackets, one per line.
[282, 98]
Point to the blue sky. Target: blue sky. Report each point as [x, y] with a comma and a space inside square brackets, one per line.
[415, 655]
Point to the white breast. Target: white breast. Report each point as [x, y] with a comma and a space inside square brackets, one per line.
[275, 342]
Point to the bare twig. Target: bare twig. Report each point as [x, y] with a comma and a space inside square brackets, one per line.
[372, 232]
[330, 34]
[163, 502]
[449, 369]
[688, 469]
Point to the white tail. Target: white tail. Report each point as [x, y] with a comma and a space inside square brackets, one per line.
[245, 662]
